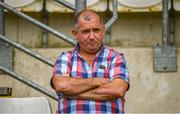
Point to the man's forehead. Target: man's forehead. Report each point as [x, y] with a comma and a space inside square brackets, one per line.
[88, 16]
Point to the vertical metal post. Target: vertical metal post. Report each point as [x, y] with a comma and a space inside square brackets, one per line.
[172, 23]
[111, 21]
[79, 6]
[45, 19]
[2, 24]
[5, 50]
[165, 55]
[165, 22]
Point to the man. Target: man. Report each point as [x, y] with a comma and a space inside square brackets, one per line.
[92, 78]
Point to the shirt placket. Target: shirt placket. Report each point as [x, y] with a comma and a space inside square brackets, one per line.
[89, 70]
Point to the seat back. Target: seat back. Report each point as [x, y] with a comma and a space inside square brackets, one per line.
[25, 105]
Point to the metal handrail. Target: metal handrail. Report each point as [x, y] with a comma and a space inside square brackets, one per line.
[111, 20]
[39, 24]
[29, 83]
[23, 79]
[66, 4]
[115, 15]
[26, 50]
[33, 54]
[37, 56]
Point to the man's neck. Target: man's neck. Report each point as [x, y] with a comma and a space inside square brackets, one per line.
[89, 57]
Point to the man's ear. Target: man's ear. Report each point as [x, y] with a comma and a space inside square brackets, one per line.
[104, 30]
[74, 33]
[104, 27]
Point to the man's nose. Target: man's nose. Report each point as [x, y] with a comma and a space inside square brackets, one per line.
[91, 35]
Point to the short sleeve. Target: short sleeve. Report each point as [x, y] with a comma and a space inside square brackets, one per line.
[118, 68]
[61, 65]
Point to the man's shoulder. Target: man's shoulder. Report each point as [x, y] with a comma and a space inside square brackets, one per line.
[66, 54]
[111, 51]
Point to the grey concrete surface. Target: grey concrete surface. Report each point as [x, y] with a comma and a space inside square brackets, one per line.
[130, 29]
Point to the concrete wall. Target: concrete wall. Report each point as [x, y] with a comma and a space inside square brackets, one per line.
[130, 30]
[133, 33]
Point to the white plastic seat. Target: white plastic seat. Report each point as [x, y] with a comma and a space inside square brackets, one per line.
[142, 5]
[97, 5]
[26, 5]
[25, 105]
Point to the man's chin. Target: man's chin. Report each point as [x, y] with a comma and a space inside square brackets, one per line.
[93, 50]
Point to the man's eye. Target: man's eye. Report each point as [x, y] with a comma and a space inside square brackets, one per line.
[96, 30]
[86, 31]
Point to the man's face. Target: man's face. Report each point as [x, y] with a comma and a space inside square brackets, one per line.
[89, 33]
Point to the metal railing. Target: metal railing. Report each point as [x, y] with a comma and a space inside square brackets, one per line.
[26, 50]
[37, 56]
[115, 15]
[108, 24]
[39, 24]
[29, 83]
[66, 4]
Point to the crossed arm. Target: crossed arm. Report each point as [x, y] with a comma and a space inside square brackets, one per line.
[100, 89]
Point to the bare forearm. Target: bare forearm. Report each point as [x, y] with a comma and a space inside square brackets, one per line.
[90, 95]
[74, 86]
[94, 95]
[113, 90]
